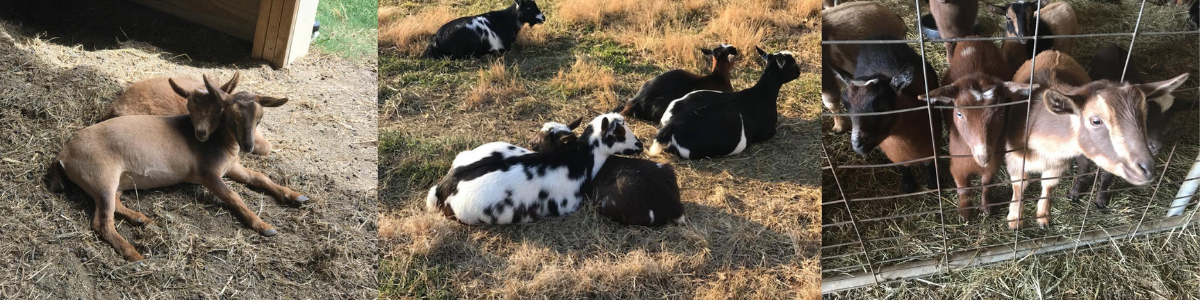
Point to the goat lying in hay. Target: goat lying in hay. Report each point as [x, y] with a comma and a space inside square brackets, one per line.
[145, 152]
[156, 96]
[710, 123]
[655, 95]
[631, 191]
[507, 188]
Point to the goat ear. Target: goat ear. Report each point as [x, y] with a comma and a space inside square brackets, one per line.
[902, 80]
[214, 91]
[762, 53]
[841, 75]
[706, 51]
[575, 124]
[567, 139]
[604, 125]
[271, 101]
[182, 92]
[943, 95]
[997, 9]
[1161, 91]
[1020, 89]
[1062, 104]
[232, 83]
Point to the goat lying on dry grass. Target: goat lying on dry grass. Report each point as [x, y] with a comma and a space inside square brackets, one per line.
[144, 152]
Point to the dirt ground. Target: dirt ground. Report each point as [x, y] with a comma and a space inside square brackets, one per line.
[752, 229]
[58, 77]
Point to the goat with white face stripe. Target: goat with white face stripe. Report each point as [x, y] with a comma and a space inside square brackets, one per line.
[524, 188]
[710, 123]
[489, 33]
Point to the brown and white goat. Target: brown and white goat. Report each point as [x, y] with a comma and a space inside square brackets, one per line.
[977, 77]
[156, 96]
[1108, 63]
[845, 22]
[1021, 20]
[955, 18]
[630, 191]
[1102, 120]
[145, 152]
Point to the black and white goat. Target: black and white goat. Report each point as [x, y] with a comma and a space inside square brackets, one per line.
[710, 123]
[654, 97]
[631, 191]
[489, 33]
[524, 188]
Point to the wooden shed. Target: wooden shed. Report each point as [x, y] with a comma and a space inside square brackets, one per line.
[280, 29]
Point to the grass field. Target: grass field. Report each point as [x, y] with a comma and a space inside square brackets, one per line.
[1157, 266]
[753, 218]
[348, 29]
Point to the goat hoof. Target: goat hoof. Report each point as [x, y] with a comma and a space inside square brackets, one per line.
[1100, 205]
[908, 187]
[133, 256]
[301, 199]
[269, 232]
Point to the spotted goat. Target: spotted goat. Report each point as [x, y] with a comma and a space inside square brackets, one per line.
[490, 33]
[630, 191]
[504, 187]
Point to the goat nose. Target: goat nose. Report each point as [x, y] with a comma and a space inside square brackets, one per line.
[1146, 169]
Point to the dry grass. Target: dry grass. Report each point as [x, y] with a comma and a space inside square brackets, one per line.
[52, 88]
[918, 235]
[588, 78]
[497, 84]
[409, 32]
[752, 230]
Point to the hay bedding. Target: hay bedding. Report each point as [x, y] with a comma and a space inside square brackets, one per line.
[324, 142]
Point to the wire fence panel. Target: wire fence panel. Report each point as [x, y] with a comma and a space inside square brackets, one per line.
[873, 232]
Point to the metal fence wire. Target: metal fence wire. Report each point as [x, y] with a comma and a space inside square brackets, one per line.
[873, 233]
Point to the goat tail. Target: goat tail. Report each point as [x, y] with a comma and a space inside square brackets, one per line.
[431, 200]
[682, 220]
[55, 176]
[662, 141]
[622, 108]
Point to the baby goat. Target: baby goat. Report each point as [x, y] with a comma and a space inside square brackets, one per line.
[489, 33]
[710, 123]
[524, 188]
[631, 191]
[654, 97]
[1107, 64]
[156, 96]
[145, 152]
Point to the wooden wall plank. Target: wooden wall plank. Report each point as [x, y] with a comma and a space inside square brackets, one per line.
[234, 17]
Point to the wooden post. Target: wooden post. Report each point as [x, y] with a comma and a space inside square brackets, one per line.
[284, 30]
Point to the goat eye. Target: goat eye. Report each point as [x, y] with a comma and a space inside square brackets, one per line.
[959, 114]
[1096, 121]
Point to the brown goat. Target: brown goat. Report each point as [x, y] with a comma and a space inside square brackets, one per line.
[155, 96]
[1022, 20]
[657, 94]
[977, 76]
[145, 152]
[955, 18]
[850, 21]
[1102, 120]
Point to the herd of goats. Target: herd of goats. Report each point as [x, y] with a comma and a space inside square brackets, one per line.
[1096, 117]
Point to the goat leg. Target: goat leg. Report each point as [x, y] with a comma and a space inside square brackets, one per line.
[102, 223]
[1043, 210]
[262, 146]
[258, 180]
[218, 188]
[131, 216]
[1102, 197]
[908, 183]
[984, 180]
[1083, 183]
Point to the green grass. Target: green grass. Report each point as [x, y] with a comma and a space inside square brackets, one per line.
[348, 28]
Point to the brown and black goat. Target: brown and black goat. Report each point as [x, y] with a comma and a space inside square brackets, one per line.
[656, 95]
[847, 22]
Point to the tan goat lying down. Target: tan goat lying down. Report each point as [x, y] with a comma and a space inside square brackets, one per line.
[145, 152]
